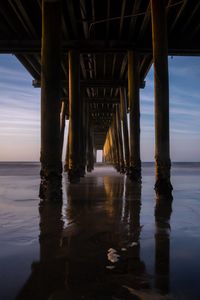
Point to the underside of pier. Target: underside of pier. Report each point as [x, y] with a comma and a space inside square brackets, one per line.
[90, 59]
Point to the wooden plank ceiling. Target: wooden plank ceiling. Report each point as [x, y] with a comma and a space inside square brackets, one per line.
[103, 31]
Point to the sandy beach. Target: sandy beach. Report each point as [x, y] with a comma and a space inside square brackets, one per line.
[108, 240]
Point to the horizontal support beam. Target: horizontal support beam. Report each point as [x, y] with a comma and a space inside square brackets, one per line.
[96, 122]
[98, 83]
[94, 83]
[97, 46]
[97, 100]
[103, 83]
[107, 115]
[101, 112]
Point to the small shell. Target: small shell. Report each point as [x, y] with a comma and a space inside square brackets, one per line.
[123, 249]
[112, 250]
[133, 244]
[110, 267]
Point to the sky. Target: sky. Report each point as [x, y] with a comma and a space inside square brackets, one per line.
[20, 112]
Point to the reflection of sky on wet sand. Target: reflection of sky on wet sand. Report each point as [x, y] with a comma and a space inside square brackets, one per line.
[64, 250]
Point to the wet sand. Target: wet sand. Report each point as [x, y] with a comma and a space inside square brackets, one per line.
[109, 239]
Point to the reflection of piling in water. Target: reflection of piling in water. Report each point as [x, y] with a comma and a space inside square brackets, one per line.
[136, 267]
[163, 211]
[48, 275]
[133, 200]
[133, 208]
[114, 194]
[51, 226]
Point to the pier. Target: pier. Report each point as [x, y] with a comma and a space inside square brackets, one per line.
[90, 59]
[109, 230]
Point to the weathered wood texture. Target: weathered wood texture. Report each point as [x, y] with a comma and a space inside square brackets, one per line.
[161, 91]
[134, 115]
[74, 115]
[50, 88]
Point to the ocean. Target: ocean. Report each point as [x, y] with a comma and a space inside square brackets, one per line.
[109, 239]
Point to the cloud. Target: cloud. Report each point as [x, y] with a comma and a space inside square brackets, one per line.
[20, 111]
[184, 67]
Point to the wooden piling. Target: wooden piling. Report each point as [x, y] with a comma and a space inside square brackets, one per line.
[116, 141]
[74, 116]
[51, 166]
[134, 116]
[123, 106]
[91, 153]
[161, 91]
[120, 140]
[82, 137]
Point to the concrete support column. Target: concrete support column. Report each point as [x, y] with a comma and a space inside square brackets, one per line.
[108, 148]
[161, 91]
[83, 138]
[110, 145]
[91, 150]
[94, 150]
[74, 116]
[85, 124]
[134, 116]
[123, 103]
[51, 166]
[116, 140]
[115, 145]
[119, 133]
[90, 142]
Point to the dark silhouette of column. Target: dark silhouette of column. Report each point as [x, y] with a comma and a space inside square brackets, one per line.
[134, 116]
[48, 275]
[123, 103]
[117, 143]
[74, 116]
[136, 265]
[161, 88]
[51, 165]
[91, 154]
[120, 140]
[83, 138]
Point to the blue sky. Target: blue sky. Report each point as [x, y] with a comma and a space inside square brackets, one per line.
[20, 112]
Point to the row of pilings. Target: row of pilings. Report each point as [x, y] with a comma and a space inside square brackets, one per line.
[121, 148]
